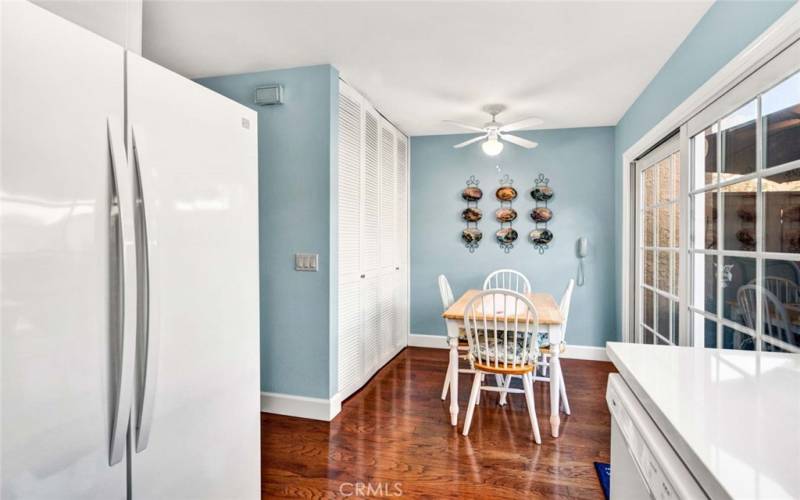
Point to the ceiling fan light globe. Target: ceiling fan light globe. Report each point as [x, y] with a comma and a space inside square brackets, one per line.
[492, 147]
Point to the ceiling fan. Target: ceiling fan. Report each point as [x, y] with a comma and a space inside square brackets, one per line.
[494, 132]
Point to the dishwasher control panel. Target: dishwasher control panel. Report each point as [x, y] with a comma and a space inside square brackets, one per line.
[660, 468]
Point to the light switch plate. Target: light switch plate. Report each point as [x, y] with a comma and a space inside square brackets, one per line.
[306, 262]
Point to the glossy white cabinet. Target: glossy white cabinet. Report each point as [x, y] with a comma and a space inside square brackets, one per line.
[129, 274]
[198, 412]
[59, 248]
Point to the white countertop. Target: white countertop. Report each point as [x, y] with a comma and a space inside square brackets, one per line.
[732, 416]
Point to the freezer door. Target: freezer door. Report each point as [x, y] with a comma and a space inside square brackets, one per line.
[197, 409]
[62, 102]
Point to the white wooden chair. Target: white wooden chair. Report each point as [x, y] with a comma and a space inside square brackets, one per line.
[507, 279]
[446, 294]
[542, 373]
[773, 315]
[786, 290]
[544, 362]
[502, 327]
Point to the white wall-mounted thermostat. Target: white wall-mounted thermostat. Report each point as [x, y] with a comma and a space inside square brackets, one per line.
[269, 94]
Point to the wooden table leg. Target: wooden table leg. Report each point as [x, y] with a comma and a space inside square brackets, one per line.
[452, 337]
[555, 379]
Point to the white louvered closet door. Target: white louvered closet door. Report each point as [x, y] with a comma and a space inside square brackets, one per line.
[370, 240]
[372, 228]
[351, 355]
[388, 246]
[400, 333]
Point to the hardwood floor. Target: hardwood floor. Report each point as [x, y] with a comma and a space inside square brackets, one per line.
[395, 436]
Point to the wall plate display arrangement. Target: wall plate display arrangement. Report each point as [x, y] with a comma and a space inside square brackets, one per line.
[505, 215]
[541, 236]
[471, 235]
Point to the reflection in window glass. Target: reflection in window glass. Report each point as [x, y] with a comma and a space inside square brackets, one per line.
[665, 226]
[780, 108]
[739, 142]
[782, 212]
[663, 316]
[647, 336]
[649, 186]
[704, 155]
[704, 288]
[648, 269]
[664, 181]
[647, 308]
[738, 280]
[676, 232]
[734, 339]
[705, 329]
[781, 301]
[675, 323]
[705, 220]
[676, 261]
[663, 278]
[648, 227]
[739, 228]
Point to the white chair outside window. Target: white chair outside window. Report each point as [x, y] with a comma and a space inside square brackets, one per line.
[786, 290]
[507, 279]
[446, 294]
[774, 317]
[502, 328]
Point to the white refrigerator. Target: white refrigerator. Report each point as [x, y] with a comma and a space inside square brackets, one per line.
[128, 274]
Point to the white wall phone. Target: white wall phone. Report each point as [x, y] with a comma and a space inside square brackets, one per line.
[582, 249]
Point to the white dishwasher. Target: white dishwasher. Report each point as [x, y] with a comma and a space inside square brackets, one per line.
[643, 464]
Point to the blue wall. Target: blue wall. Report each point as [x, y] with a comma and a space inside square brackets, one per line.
[724, 31]
[579, 165]
[296, 161]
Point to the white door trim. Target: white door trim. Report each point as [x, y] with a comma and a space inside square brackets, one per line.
[777, 37]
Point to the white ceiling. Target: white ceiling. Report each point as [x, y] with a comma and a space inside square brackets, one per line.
[574, 64]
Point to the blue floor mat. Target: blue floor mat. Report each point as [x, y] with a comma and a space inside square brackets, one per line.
[604, 476]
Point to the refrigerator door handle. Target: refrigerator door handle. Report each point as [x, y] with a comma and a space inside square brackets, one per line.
[126, 237]
[150, 302]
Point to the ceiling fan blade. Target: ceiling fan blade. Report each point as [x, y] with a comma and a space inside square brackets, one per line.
[464, 125]
[467, 143]
[521, 124]
[519, 141]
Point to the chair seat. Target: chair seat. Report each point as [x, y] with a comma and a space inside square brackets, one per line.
[545, 349]
[505, 370]
[504, 352]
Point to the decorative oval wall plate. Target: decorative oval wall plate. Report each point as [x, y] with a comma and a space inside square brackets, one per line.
[506, 193]
[471, 235]
[472, 193]
[541, 236]
[505, 214]
[471, 214]
[542, 193]
[506, 235]
[541, 214]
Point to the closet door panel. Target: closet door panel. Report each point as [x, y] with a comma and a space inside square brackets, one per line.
[371, 207]
[388, 232]
[351, 349]
[349, 188]
[401, 241]
[371, 324]
[351, 346]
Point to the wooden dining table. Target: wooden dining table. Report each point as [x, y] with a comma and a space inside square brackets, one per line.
[550, 320]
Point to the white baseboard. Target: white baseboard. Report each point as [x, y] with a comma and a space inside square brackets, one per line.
[587, 352]
[301, 406]
[424, 340]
